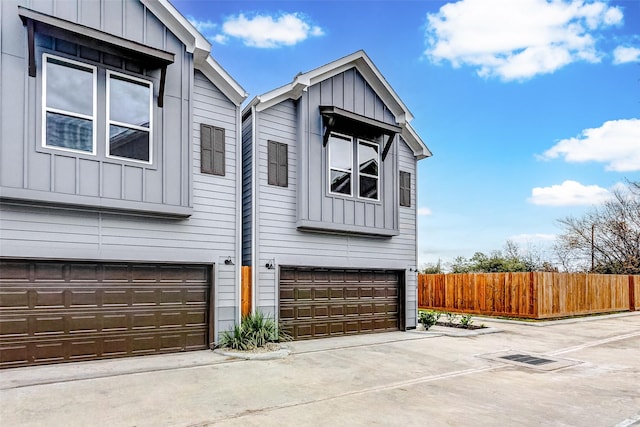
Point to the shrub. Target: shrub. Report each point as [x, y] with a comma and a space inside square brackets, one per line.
[255, 331]
[465, 320]
[451, 318]
[428, 318]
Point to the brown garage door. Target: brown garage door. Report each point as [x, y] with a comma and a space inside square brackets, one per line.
[317, 302]
[66, 311]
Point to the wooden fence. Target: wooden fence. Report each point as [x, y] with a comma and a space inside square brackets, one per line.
[245, 290]
[529, 295]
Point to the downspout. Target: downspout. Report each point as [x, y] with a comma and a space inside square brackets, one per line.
[254, 216]
[238, 214]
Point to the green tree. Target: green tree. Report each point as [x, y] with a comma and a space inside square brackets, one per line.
[433, 268]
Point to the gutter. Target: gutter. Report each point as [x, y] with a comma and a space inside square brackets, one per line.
[238, 256]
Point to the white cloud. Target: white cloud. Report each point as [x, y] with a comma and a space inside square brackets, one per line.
[424, 211]
[624, 54]
[534, 237]
[616, 143]
[202, 26]
[266, 31]
[517, 40]
[569, 193]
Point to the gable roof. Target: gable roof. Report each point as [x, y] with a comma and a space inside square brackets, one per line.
[361, 61]
[197, 44]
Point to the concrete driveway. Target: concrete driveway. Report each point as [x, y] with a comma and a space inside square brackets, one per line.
[591, 378]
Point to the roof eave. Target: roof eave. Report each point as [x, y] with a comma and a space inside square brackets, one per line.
[198, 45]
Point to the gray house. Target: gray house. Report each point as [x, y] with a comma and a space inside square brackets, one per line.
[329, 202]
[120, 207]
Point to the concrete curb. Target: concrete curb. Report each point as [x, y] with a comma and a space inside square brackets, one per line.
[283, 352]
[554, 322]
[456, 332]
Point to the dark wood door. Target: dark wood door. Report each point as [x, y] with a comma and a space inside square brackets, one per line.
[54, 312]
[316, 302]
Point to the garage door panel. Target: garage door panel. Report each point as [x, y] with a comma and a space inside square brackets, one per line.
[48, 272]
[319, 302]
[303, 312]
[196, 318]
[114, 322]
[320, 311]
[303, 294]
[82, 297]
[144, 297]
[83, 272]
[48, 352]
[83, 349]
[55, 311]
[144, 321]
[14, 326]
[14, 355]
[320, 330]
[337, 293]
[115, 298]
[114, 347]
[15, 299]
[49, 299]
[83, 323]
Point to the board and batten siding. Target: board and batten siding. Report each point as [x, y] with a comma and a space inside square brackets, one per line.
[279, 240]
[318, 209]
[29, 171]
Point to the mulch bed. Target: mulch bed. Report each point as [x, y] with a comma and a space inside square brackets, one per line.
[459, 326]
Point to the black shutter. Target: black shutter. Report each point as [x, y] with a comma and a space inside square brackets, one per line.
[405, 189]
[212, 150]
[278, 164]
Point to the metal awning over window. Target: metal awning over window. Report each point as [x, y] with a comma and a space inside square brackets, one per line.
[62, 29]
[337, 119]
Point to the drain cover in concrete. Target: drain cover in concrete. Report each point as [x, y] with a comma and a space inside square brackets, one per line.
[533, 361]
[525, 358]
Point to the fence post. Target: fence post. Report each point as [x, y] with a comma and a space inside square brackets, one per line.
[246, 290]
[632, 294]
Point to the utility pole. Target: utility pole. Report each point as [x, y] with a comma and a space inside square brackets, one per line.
[593, 255]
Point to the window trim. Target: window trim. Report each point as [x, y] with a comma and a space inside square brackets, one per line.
[351, 138]
[109, 122]
[355, 167]
[45, 109]
[377, 148]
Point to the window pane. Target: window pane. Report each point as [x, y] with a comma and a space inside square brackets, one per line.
[368, 158]
[340, 150]
[69, 87]
[69, 132]
[129, 102]
[368, 187]
[129, 143]
[340, 182]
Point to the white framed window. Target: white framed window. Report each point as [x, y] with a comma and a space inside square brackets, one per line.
[368, 170]
[69, 99]
[347, 178]
[129, 117]
[340, 164]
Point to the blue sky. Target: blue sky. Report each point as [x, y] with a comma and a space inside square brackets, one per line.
[531, 108]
